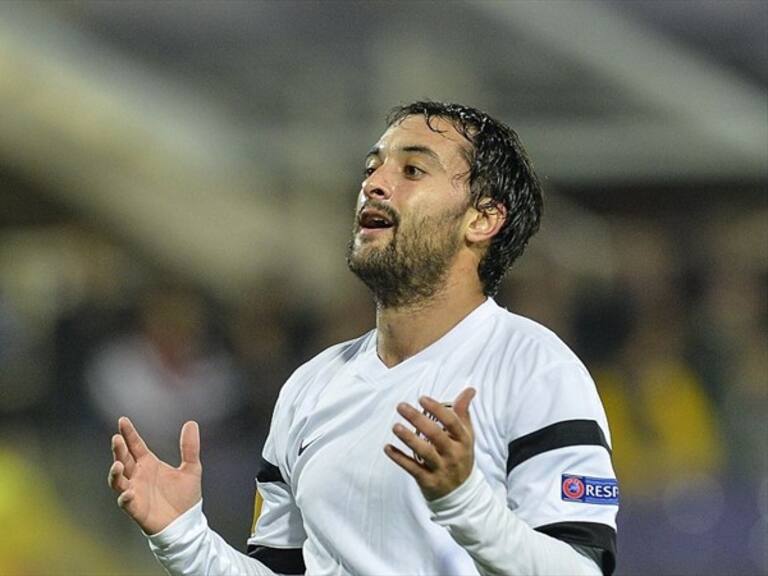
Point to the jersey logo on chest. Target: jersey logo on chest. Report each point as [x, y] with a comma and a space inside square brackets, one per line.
[432, 417]
[304, 444]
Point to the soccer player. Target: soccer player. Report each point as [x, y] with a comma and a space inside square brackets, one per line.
[455, 438]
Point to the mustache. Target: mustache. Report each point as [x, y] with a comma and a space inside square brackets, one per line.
[381, 207]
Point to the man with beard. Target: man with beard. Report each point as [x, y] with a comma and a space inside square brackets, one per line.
[455, 438]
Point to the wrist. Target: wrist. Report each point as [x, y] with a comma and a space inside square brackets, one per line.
[186, 521]
[459, 494]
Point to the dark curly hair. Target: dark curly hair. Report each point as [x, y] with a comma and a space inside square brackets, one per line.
[500, 172]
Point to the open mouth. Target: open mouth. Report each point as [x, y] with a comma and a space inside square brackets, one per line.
[373, 219]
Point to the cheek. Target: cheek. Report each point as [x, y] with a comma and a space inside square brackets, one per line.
[435, 203]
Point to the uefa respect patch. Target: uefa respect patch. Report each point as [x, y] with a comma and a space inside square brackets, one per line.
[589, 490]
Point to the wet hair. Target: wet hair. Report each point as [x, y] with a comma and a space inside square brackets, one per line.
[500, 173]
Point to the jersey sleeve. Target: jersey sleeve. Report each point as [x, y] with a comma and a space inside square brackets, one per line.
[277, 533]
[560, 479]
[500, 543]
[188, 547]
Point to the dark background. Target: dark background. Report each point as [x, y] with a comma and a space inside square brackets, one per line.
[177, 182]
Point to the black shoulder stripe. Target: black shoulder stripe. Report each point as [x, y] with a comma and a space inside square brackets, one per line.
[558, 435]
[592, 534]
[280, 560]
[268, 472]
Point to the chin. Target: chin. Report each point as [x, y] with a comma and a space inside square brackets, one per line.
[362, 253]
[368, 243]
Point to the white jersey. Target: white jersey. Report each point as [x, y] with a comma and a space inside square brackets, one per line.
[330, 499]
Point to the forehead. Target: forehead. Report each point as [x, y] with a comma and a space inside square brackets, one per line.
[442, 138]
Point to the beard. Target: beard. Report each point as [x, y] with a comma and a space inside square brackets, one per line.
[412, 266]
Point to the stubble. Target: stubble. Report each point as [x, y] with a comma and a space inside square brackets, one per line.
[411, 268]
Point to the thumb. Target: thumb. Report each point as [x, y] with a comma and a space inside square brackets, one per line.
[189, 443]
[461, 406]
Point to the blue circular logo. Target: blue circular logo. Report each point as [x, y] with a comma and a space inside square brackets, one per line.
[573, 488]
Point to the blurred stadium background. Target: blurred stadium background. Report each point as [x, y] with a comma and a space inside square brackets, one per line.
[176, 191]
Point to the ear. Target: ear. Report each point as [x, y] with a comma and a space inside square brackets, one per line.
[485, 221]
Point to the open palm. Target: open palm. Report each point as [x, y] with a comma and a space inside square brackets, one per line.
[150, 491]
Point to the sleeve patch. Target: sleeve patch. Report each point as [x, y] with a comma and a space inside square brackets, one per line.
[589, 490]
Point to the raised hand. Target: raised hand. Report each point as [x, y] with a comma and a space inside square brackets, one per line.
[445, 448]
[150, 491]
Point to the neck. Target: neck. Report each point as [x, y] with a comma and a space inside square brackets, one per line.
[405, 331]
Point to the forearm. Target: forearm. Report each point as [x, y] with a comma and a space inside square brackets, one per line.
[188, 547]
[498, 541]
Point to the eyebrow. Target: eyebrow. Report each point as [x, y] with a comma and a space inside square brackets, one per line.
[412, 149]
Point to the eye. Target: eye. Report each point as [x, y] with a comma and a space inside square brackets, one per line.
[368, 170]
[412, 171]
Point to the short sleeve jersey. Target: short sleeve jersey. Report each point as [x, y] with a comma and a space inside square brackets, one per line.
[329, 498]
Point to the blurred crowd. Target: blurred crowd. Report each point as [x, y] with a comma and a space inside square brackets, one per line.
[673, 327]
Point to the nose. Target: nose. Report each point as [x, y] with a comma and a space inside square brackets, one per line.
[377, 185]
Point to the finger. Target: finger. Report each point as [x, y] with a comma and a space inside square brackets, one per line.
[126, 499]
[189, 444]
[446, 416]
[120, 454]
[461, 406]
[421, 448]
[136, 445]
[405, 462]
[425, 426]
[115, 478]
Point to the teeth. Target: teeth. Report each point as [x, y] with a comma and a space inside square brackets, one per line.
[374, 221]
